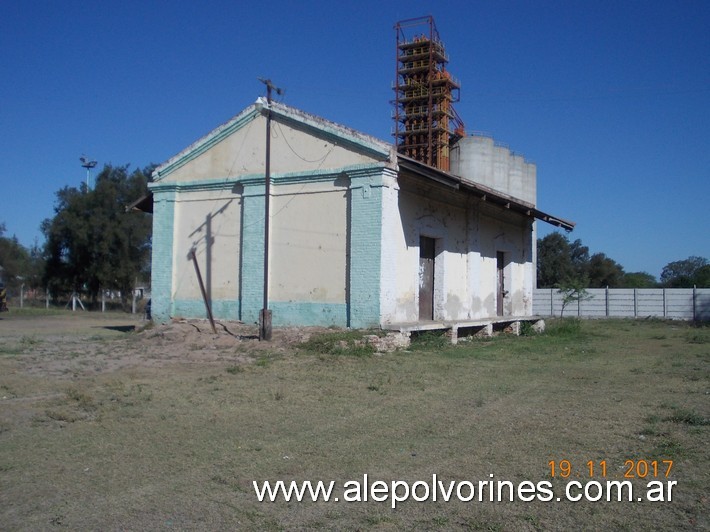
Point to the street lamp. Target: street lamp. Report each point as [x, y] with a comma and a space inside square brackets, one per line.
[88, 164]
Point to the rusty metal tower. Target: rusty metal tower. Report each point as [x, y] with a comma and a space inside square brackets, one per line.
[426, 123]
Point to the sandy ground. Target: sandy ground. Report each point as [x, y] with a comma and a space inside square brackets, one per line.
[87, 343]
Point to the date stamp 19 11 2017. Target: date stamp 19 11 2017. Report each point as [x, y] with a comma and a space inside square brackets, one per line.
[600, 469]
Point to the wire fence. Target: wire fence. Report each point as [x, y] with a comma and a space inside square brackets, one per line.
[21, 298]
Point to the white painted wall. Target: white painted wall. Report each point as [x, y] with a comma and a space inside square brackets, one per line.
[309, 242]
[392, 245]
[201, 215]
[465, 279]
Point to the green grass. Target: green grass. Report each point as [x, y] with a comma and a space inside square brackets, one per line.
[566, 328]
[430, 341]
[348, 343]
[178, 446]
[689, 417]
[699, 337]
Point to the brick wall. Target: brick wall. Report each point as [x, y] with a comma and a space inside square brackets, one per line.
[162, 255]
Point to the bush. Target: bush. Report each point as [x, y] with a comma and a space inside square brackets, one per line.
[349, 343]
[527, 329]
[427, 340]
[565, 327]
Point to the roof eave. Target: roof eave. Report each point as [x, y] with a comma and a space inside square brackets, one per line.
[481, 191]
[335, 132]
[142, 204]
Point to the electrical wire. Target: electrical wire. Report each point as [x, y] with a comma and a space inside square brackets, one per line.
[320, 160]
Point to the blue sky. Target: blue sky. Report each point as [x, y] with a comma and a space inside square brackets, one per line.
[611, 99]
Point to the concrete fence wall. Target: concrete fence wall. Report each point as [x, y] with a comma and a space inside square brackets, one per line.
[670, 303]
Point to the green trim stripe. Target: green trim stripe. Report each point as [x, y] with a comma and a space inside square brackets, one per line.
[365, 170]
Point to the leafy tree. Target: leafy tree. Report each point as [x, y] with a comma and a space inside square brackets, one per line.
[604, 271]
[553, 260]
[92, 243]
[573, 290]
[19, 265]
[561, 262]
[579, 255]
[639, 280]
[702, 277]
[687, 273]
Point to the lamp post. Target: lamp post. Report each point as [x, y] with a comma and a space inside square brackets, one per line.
[265, 328]
[88, 164]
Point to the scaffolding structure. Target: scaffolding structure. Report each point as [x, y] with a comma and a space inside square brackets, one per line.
[426, 124]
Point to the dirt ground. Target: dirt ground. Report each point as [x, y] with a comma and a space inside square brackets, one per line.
[73, 344]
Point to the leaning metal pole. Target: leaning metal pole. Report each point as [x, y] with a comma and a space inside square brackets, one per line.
[193, 256]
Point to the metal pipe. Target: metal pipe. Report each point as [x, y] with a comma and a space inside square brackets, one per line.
[265, 329]
[265, 334]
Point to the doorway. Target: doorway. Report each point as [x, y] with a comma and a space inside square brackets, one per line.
[427, 250]
[501, 292]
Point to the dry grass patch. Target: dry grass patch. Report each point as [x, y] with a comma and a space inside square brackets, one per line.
[155, 446]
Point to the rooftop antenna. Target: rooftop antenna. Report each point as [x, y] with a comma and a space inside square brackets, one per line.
[269, 87]
[88, 164]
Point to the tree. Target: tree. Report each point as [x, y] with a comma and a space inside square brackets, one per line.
[579, 256]
[702, 277]
[604, 271]
[553, 260]
[573, 290]
[92, 243]
[639, 280]
[686, 273]
[19, 265]
[561, 262]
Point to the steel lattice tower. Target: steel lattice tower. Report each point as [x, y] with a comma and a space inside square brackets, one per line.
[425, 121]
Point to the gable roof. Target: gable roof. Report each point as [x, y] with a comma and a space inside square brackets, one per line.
[352, 139]
[310, 124]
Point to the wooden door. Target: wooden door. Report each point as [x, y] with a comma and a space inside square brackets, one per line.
[426, 278]
[501, 292]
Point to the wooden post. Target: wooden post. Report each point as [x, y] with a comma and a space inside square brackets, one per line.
[265, 324]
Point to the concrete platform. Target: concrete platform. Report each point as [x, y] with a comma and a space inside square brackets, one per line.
[481, 327]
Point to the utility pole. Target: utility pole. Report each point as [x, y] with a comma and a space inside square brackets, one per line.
[265, 329]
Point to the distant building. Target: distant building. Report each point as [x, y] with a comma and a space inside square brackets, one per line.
[361, 236]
